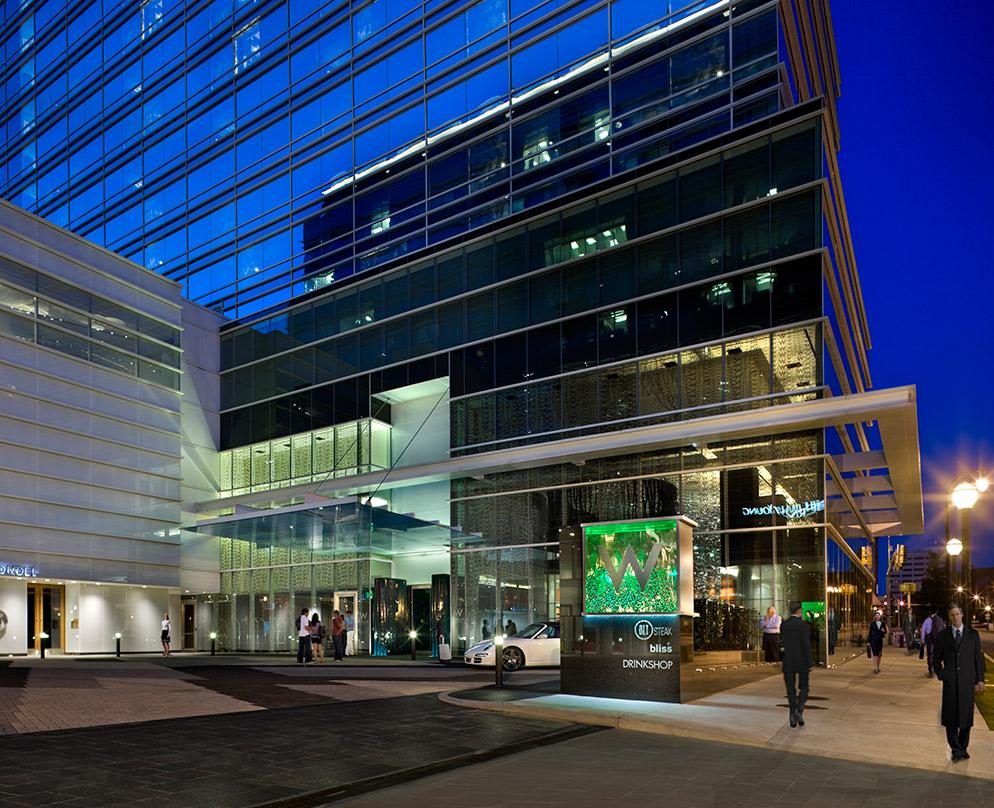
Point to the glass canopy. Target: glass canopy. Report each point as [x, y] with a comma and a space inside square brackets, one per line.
[341, 528]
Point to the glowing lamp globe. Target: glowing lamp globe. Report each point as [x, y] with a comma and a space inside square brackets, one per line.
[982, 484]
[965, 495]
[954, 547]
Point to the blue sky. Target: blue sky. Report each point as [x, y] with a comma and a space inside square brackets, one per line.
[916, 160]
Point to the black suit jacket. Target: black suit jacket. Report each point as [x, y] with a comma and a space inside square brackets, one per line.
[959, 668]
[795, 634]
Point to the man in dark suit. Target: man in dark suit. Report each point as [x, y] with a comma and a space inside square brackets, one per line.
[959, 664]
[795, 634]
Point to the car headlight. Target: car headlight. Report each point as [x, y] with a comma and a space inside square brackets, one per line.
[479, 648]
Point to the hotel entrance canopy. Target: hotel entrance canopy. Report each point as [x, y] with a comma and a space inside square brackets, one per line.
[868, 492]
[336, 527]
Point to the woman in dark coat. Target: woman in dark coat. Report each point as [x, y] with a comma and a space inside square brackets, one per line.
[878, 630]
[960, 667]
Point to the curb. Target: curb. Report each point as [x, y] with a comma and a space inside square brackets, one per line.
[608, 720]
[618, 721]
[325, 796]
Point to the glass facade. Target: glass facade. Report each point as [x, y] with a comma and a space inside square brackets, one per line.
[38, 308]
[257, 150]
[567, 295]
[572, 218]
[320, 558]
[341, 451]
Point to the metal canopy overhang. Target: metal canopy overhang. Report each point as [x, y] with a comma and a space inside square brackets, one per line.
[882, 490]
[894, 409]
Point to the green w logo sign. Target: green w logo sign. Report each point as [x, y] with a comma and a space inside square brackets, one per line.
[629, 559]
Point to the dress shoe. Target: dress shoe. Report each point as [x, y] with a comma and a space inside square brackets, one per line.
[793, 719]
[957, 757]
[965, 755]
[800, 718]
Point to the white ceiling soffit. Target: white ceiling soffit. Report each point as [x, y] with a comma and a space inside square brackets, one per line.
[893, 408]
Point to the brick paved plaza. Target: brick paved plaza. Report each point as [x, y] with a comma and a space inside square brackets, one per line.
[228, 732]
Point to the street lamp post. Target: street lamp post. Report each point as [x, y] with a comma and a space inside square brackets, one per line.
[963, 494]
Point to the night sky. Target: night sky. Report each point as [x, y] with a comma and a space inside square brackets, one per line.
[916, 116]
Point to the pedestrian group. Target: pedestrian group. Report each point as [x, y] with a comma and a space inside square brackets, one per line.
[952, 651]
[311, 635]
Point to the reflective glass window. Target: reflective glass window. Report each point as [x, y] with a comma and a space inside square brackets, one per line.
[700, 251]
[657, 324]
[659, 264]
[699, 62]
[559, 50]
[388, 72]
[700, 189]
[746, 173]
[754, 38]
[747, 238]
[796, 156]
[474, 92]
[325, 54]
[795, 224]
[616, 333]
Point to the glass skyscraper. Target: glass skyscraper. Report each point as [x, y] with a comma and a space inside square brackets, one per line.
[596, 252]
[259, 150]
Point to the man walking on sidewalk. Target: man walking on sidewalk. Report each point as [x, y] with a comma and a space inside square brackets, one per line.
[795, 634]
[959, 664]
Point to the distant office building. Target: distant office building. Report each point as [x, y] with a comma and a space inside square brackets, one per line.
[502, 267]
[912, 572]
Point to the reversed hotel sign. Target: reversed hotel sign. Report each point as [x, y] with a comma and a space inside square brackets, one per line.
[794, 510]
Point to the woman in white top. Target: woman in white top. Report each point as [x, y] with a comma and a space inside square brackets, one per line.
[165, 634]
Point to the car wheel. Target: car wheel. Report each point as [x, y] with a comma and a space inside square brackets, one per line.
[513, 659]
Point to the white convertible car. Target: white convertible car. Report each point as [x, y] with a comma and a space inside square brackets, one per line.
[538, 644]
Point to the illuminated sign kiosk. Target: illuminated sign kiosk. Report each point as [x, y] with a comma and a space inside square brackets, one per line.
[627, 605]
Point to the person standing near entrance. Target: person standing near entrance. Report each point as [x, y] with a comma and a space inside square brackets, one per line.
[797, 663]
[349, 631]
[959, 664]
[878, 630]
[338, 635]
[166, 640]
[931, 629]
[303, 637]
[770, 624]
[317, 637]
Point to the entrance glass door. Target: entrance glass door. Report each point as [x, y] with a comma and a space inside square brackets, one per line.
[45, 618]
[345, 602]
[189, 626]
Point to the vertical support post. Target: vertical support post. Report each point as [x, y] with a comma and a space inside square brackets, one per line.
[498, 660]
[967, 575]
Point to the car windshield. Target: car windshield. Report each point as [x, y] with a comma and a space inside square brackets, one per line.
[530, 631]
